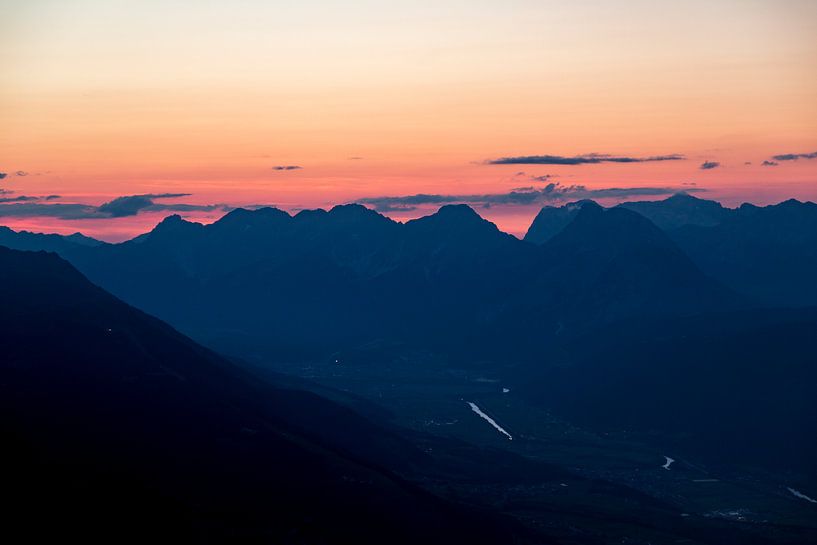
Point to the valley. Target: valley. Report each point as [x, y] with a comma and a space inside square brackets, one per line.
[425, 395]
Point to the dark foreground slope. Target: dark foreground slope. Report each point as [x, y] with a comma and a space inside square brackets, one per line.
[116, 428]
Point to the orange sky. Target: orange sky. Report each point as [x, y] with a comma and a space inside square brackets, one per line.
[102, 99]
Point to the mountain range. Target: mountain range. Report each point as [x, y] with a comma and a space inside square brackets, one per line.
[682, 324]
[266, 281]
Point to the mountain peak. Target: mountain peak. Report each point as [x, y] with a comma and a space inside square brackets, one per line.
[173, 219]
[350, 209]
[454, 216]
[577, 205]
[451, 215]
[619, 261]
[174, 226]
[679, 210]
[455, 222]
[457, 212]
[606, 227]
[682, 196]
[791, 203]
[551, 219]
[457, 209]
[173, 223]
[243, 217]
[588, 209]
[264, 211]
[82, 240]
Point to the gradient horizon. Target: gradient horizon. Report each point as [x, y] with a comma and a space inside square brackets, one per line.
[105, 98]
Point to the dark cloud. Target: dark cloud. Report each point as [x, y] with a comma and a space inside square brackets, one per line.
[21, 198]
[587, 159]
[709, 165]
[256, 206]
[385, 208]
[287, 167]
[769, 164]
[21, 173]
[129, 205]
[624, 192]
[795, 156]
[521, 196]
[542, 178]
[355, 158]
[3, 175]
[62, 211]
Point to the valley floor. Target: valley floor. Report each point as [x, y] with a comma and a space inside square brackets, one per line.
[479, 408]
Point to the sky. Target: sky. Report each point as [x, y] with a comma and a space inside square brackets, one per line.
[117, 113]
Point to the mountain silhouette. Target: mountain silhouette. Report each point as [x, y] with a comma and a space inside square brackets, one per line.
[671, 213]
[679, 210]
[768, 252]
[24, 240]
[265, 282]
[551, 220]
[607, 265]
